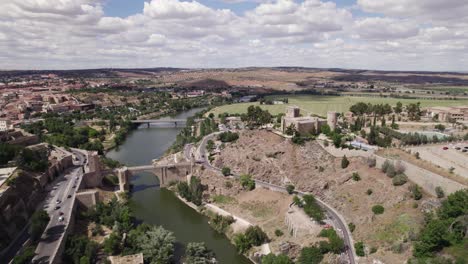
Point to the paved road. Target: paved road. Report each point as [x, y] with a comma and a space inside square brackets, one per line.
[61, 194]
[332, 213]
[48, 203]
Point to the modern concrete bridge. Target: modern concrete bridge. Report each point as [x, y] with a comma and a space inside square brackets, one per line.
[166, 173]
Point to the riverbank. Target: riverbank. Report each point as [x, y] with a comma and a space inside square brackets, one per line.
[157, 206]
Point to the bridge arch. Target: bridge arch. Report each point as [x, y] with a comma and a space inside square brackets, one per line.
[165, 173]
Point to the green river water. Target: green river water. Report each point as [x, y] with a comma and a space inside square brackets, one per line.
[157, 206]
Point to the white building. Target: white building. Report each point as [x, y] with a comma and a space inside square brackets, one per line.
[5, 124]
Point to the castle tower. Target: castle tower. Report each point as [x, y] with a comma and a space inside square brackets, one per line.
[331, 119]
[292, 111]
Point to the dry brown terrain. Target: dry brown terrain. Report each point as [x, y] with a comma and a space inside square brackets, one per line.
[271, 158]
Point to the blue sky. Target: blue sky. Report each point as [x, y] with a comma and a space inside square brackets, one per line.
[124, 8]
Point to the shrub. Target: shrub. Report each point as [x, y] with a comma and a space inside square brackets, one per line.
[386, 165]
[335, 244]
[39, 221]
[378, 209]
[247, 182]
[310, 255]
[416, 192]
[278, 233]
[312, 209]
[242, 243]
[321, 169]
[356, 176]
[344, 162]
[390, 171]
[226, 171]
[373, 250]
[25, 257]
[399, 179]
[416, 155]
[290, 188]
[228, 184]
[228, 136]
[440, 192]
[297, 201]
[369, 191]
[352, 227]
[276, 259]
[399, 167]
[220, 223]
[359, 247]
[371, 162]
[256, 236]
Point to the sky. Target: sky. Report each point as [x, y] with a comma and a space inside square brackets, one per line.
[429, 35]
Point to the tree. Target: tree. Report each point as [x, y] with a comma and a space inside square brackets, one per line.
[440, 192]
[242, 243]
[247, 182]
[416, 192]
[399, 179]
[310, 255]
[344, 162]
[440, 127]
[356, 176]
[226, 171]
[312, 209]
[276, 259]
[297, 201]
[359, 247]
[378, 209]
[351, 227]
[256, 236]
[112, 244]
[79, 249]
[290, 188]
[197, 253]
[398, 108]
[228, 136]
[290, 130]
[25, 257]
[39, 221]
[157, 245]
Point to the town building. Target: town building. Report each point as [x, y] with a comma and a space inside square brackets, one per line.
[5, 124]
[447, 114]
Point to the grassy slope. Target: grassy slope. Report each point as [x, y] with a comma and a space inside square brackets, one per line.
[321, 104]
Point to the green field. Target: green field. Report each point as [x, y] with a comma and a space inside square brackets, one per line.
[320, 105]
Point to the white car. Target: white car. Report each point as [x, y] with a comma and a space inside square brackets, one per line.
[61, 218]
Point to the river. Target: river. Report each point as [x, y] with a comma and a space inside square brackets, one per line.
[157, 206]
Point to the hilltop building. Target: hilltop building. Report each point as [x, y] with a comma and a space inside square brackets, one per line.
[306, 124]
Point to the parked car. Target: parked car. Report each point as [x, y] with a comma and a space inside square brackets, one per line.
[60, 213]
[58, 201]
[57, 207]
[61, 218]
[69, 196]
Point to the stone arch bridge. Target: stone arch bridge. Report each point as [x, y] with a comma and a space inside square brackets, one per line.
[166, 173]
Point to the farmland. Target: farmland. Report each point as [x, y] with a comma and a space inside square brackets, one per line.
[320, 105]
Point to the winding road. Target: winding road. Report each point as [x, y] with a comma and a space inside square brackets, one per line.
[337, 219]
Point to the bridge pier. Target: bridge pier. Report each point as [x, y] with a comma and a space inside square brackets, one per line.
[123, 174]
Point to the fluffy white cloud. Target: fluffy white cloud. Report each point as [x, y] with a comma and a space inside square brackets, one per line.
[317, 33]
[375, 28]
[428, 9]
